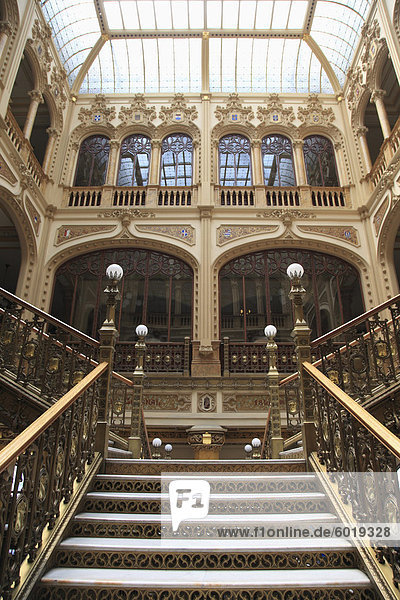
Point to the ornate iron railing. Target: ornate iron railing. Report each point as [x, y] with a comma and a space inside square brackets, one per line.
[162, 357]
[350, 440]
[39, 351]
[253, 357]
[364, 354]
[38, 470]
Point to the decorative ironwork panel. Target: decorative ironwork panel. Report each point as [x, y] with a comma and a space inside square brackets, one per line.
[92, 161]
[134, 161]
[234, 160]
[159, 358]
[319, 158]
[277, 159]
[176, 160]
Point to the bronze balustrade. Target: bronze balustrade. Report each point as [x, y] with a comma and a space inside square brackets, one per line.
[38, 470]
[249, 357]
[350, 440]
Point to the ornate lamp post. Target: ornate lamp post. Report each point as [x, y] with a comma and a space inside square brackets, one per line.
[273, 380]
[301, 335]
[134, 440]
[108, 337]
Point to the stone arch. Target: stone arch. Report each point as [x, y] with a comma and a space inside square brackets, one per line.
[40, 76]
[126, 130]
[396, 19]
[385, 246]
[10, 28]
[78, 248]
[14, 207]
[246, 247]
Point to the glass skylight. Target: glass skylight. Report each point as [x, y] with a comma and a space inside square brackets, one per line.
[254, 45]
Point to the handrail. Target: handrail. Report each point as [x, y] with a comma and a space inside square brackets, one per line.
[375, 427]
[355, 321]
[51, 319]
[18, 445]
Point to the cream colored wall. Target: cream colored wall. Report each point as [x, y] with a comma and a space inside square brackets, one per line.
[361, 233]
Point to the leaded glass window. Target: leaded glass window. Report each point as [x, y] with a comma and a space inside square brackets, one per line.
[177, 160]
[92, 161]
[234, 160]
[254, 290]
[319, 157]
[135, 161]
[157, 289]
[277, 160]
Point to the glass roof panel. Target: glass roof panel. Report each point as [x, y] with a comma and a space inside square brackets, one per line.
[161, 65]
[163, 14]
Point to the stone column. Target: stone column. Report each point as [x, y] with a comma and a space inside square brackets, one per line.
[205, 361]
[36, 99]
[377, 99]
[154, 176]
[362, 136]
[53, 134]
[5, 32]
[301, 176]
[112, 163]
[258, 178]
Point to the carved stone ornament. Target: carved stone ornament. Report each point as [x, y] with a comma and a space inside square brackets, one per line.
[6, 172]
[234, 112]
[245, 403]
[372, 44]
[314, 113]
[184, 233]
[206, 403]
[98, 113]
[286, 215]
[378, 218]
[39, 43]
[345, 234]
[357, 86]
[57, 85]
[172, 402]
[274, 113]
[124, 214]
[228, 233]
[66, 233]
[137, 113]
[34, 215]
[178, 112]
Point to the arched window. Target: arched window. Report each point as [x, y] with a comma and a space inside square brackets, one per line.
[176, 160]
[277, 160]
[254, 291]
[234, 160]
[135, 161]
[93, 161]
[319, 158]
[157, 290]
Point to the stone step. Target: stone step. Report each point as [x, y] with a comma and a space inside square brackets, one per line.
[206, 554]
[221, 483]
[233, 503]
[125, 525]
[133, 466]
[218, 584]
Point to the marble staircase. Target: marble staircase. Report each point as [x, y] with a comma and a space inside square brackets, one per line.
[120, 547]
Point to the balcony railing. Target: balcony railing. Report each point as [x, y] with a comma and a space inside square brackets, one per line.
[178, 196]
[333, 197]
[253, 358]
[162, 357]
[113, 196]
[232, 196]
[25, 150]
[386, 153]
[282, 196]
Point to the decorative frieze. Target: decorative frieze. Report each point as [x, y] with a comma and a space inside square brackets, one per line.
[66, 233]
[378, 218]
[206, 403]
[178, 402]
[40, 44]
[234, 112]
[184, 233]
[228, 233]
[124, 213]
[314, 113]
[286, 215]
[245, 403]
[343, 233]
[6, 172]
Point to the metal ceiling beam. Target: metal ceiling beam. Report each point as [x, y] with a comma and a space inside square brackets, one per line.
[88, 63]
[315, 48]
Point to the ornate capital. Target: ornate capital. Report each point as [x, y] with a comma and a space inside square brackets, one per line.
[362, 131]
[114, 145]
[6, 27]
[377, 95]
[36, 96]
[52, 132]
[298, 144]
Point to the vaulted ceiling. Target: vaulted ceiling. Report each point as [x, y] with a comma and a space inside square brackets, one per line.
[156, 46]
